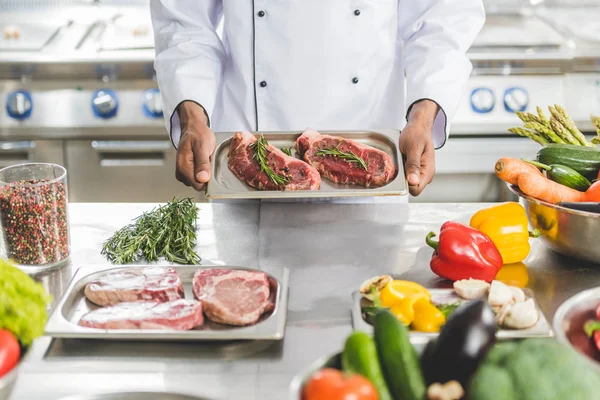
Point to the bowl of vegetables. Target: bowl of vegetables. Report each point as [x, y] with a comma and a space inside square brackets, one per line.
[577, 324]
[464, 361]
[566, 230]
[23, 316]
[558, 185]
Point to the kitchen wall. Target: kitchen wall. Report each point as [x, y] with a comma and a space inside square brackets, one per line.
[465, 164]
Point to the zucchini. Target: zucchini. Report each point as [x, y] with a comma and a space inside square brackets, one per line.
[585, 160]
[563, 175]
[360, 357]
[398, 358]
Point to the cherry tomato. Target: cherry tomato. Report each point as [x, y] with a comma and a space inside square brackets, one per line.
[331, 384]
[10, 352]
[593, 193]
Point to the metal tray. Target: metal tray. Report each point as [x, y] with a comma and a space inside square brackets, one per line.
[63, 322]
[133, 396]
[447, 296]
[225, 185]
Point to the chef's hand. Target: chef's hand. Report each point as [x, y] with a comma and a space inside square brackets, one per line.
[416, 145]
[196, 146]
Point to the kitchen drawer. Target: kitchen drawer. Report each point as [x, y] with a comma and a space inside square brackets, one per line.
[25, 151]
[123, 171]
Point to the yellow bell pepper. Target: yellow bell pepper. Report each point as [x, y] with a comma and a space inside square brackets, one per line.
[404, 310]
[427, 317]
[514, 275]
[397, 290]
[507, 226]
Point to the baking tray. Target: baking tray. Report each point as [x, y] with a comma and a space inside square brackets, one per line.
[225, 185]
[63, 322]
[447, 296]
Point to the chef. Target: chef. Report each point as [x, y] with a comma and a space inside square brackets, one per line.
[325, 64]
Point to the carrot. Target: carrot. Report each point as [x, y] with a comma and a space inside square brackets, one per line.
[510, 169]
[542, 188]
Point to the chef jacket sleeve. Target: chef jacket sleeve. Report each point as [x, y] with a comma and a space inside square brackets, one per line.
[189, 55]
[436, 35]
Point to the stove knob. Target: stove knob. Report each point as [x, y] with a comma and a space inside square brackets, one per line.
[152, 103]
[516, 99]
[482, 100]
[105, 103]
[19, 104]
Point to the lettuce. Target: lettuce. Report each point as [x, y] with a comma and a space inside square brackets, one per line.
[23, 303]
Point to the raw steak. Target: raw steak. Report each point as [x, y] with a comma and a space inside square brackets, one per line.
[178, 315]
[380, 167]
[233, 297]
[135, 284]
[301, 175]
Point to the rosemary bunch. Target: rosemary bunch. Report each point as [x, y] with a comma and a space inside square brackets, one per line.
[260, 155]
[348, 156]
[168, 231]
[286, 150]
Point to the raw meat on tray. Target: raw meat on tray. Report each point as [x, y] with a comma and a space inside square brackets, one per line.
[159, 284]
[295, 174]
[233, 297]
[346, 161]
[178, 314]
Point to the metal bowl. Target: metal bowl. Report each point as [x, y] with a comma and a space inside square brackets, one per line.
[7, 381]
[332, 361]
[570, 232]
[297, 385]
[569, 319]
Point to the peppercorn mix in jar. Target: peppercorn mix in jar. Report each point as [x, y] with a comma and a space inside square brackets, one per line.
[34, 215]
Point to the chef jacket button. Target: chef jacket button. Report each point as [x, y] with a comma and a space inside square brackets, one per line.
[263, 84]
[357, 12]
[355, 80]
[261, 13]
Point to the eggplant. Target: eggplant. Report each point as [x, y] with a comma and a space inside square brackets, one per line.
[462, 344]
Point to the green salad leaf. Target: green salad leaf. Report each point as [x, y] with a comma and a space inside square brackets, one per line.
[448, 309]
[23, 303]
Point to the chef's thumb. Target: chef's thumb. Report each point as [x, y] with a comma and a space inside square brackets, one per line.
[202, 163]
[413, 165]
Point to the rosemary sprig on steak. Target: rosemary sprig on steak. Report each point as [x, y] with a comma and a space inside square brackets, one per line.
[168, 231]
[348, 156]
[286, 150]
[260, 155]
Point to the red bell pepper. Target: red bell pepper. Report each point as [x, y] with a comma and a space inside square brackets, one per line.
[464, 252]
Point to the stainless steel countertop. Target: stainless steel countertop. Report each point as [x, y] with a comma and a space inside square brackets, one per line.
[329, 248]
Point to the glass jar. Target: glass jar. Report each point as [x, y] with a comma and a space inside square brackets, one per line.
[33, 214]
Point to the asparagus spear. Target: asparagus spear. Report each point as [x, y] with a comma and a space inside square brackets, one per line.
[529, 134]
[527, 117]
[542, 117]
[596, 122]
[563, 132]
[543, 130]
[561, 115]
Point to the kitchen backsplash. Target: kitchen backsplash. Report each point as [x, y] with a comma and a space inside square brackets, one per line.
[491, 4]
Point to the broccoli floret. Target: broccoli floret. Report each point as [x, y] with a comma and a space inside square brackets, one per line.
[23, 303]
[534, 369]
[491, 382]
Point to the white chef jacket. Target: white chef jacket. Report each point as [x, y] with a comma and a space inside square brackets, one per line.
[327, 64]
